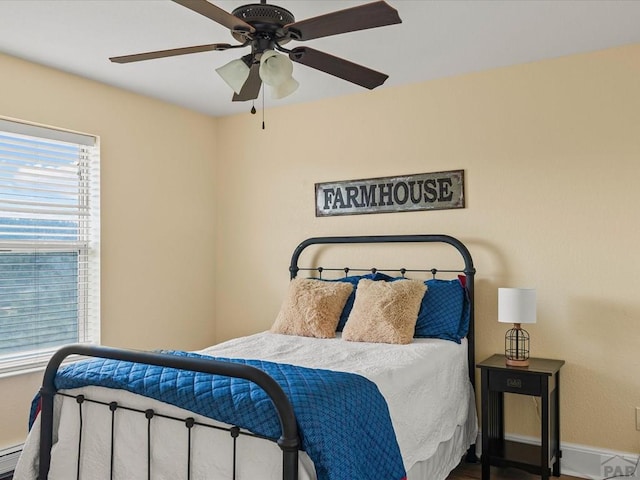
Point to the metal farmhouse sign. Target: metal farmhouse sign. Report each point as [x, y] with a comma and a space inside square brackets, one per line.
[422, 191]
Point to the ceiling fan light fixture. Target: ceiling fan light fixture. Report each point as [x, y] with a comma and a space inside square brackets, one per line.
[265, 28]
[234, 73]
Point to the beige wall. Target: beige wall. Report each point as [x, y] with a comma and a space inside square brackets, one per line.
[157, 214]
[550, 152]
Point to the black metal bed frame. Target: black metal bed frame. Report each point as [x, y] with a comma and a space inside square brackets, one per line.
[289, 441]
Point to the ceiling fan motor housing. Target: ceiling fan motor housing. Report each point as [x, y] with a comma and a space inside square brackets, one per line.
[266, 19]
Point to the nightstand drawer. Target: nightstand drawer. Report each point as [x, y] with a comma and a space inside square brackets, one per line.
[515, 382]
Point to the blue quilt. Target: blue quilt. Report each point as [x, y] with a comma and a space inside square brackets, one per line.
[343, 420]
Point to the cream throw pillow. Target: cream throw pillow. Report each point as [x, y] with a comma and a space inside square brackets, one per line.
[385, 312]
[312, 308]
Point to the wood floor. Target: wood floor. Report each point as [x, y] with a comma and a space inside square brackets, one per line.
[472, 472]
[468, 471]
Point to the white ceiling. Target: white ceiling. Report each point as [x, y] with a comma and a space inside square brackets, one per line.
[438, 38]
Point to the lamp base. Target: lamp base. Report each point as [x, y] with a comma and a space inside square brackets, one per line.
[517, 363]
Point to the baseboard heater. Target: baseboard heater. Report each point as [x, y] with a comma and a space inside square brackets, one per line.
[9, 459]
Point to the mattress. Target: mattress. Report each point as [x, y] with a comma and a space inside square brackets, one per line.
[425, 384]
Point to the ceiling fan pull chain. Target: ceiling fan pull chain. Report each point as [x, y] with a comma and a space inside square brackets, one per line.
[263, 106]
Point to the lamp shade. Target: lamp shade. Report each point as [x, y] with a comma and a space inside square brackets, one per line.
[277, 71]
[517, 305]
[235, 73]
[285, 89]
[274, 68]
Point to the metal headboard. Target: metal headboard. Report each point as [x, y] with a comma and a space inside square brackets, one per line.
[469, 270]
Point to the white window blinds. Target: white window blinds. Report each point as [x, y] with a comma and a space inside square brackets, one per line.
[49, 242]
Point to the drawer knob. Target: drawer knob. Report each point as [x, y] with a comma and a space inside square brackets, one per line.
[514, 382]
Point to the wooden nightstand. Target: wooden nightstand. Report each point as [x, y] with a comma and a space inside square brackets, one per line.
[540, 379]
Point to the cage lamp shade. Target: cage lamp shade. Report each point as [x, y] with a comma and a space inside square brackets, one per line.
[517, 305]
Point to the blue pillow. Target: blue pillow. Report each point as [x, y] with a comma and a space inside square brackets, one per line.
[353, 280]
[442, 311]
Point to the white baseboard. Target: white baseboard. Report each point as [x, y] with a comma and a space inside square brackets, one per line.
[588, 462]
[9, 459]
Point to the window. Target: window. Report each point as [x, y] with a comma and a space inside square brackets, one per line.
[49, 242]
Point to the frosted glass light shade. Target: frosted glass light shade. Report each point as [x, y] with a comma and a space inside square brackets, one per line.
[235, 73]
[276, 71]
[285, 89]
[517, 305]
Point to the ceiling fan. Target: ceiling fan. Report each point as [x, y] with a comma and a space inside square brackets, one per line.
[266, 28]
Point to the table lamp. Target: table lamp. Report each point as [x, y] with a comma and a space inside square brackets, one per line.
[517, 306]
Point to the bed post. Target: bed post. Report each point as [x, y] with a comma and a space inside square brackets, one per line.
[471, 335]
[46, 431]
[47, 392]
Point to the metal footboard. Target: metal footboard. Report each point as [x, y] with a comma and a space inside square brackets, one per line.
[289, 441]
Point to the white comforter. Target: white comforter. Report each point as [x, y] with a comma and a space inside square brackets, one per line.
[425, 385]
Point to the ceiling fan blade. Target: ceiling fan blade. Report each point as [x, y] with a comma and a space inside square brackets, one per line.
[251, 88]
[138, 57]
[362, 17]
[338, 67]
[217, 14]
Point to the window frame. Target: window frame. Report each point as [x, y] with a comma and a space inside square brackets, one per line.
[87, 246]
